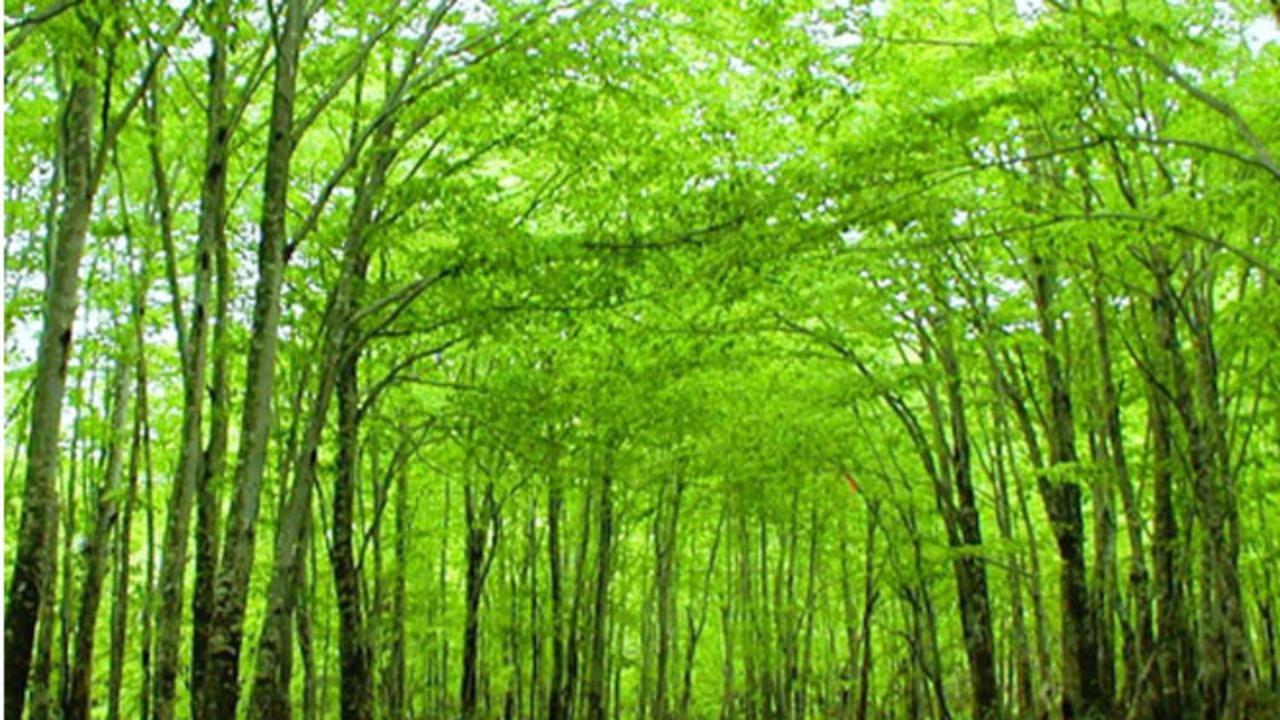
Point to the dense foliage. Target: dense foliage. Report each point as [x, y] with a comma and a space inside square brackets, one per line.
[479, 359]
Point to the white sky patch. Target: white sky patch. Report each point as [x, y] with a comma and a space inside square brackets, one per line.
[202, 47]
[1141, 126]
[1029, 10]
[830, 36]
[834, 35]
[562, 14]
[1189, 72]
[1260, 32]
[737, 65]
[449, 37]
[321, 21]
[476, 11]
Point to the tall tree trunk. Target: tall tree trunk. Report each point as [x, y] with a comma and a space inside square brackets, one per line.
[76, 703]
[530, 578]
[928, 655]
[478, 561]
[396, 683]
[744, 619]
[1083, 694]
[194, 354]
[1025, 695]
[124, 549]
[573, 681]
[1104, 592]
[232, 587]
[77, 466]
[1017, 403]
[1138, 677]
[146, 655]
[212, 231]
[806, 670]
[356, 701]
[1225, 668]
[728, 675]
[556, 709]
[966, 530]
[848, 679]
[41, 690]
[695, 626]
[31, 561]
[340, 359]
[1216, 495]
[595, 698]
[869, 599]
[269, 694]
[1174, 700]
[444, 659]
[665, 537]
[304, 616]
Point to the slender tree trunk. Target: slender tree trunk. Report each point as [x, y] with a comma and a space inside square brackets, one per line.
[729, 695]
[666, 534]
[556, 709]
[304, 616]
[76, 703]
[748, 621]
[970, 569]
[231, 591]
[41, 689]
[31, 560]
[806, 669]
[929, 655]
[1174, 700]
[869, 598]
[530, 572]
[269, 694]
[696, 626]
[443, 656]
[353, 649]
[77, 466]
[913, 691]
[1083, 694]
[1267, 613]
[120, 592]
[595, 697]
[396, 683]
[194, 354]
[340, 358]
[1139, 679]
[848, 675]
[1103, 582]
[1216, 494]
[1036, 457]
[146, 656]
[1025, 695]
[477, 565]
[574, 685]
[212, 235]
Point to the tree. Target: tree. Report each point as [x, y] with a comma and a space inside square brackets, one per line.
[664, 360]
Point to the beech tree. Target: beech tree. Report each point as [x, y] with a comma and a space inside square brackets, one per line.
[655, 359]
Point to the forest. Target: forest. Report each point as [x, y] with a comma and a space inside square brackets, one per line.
[654, 359]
